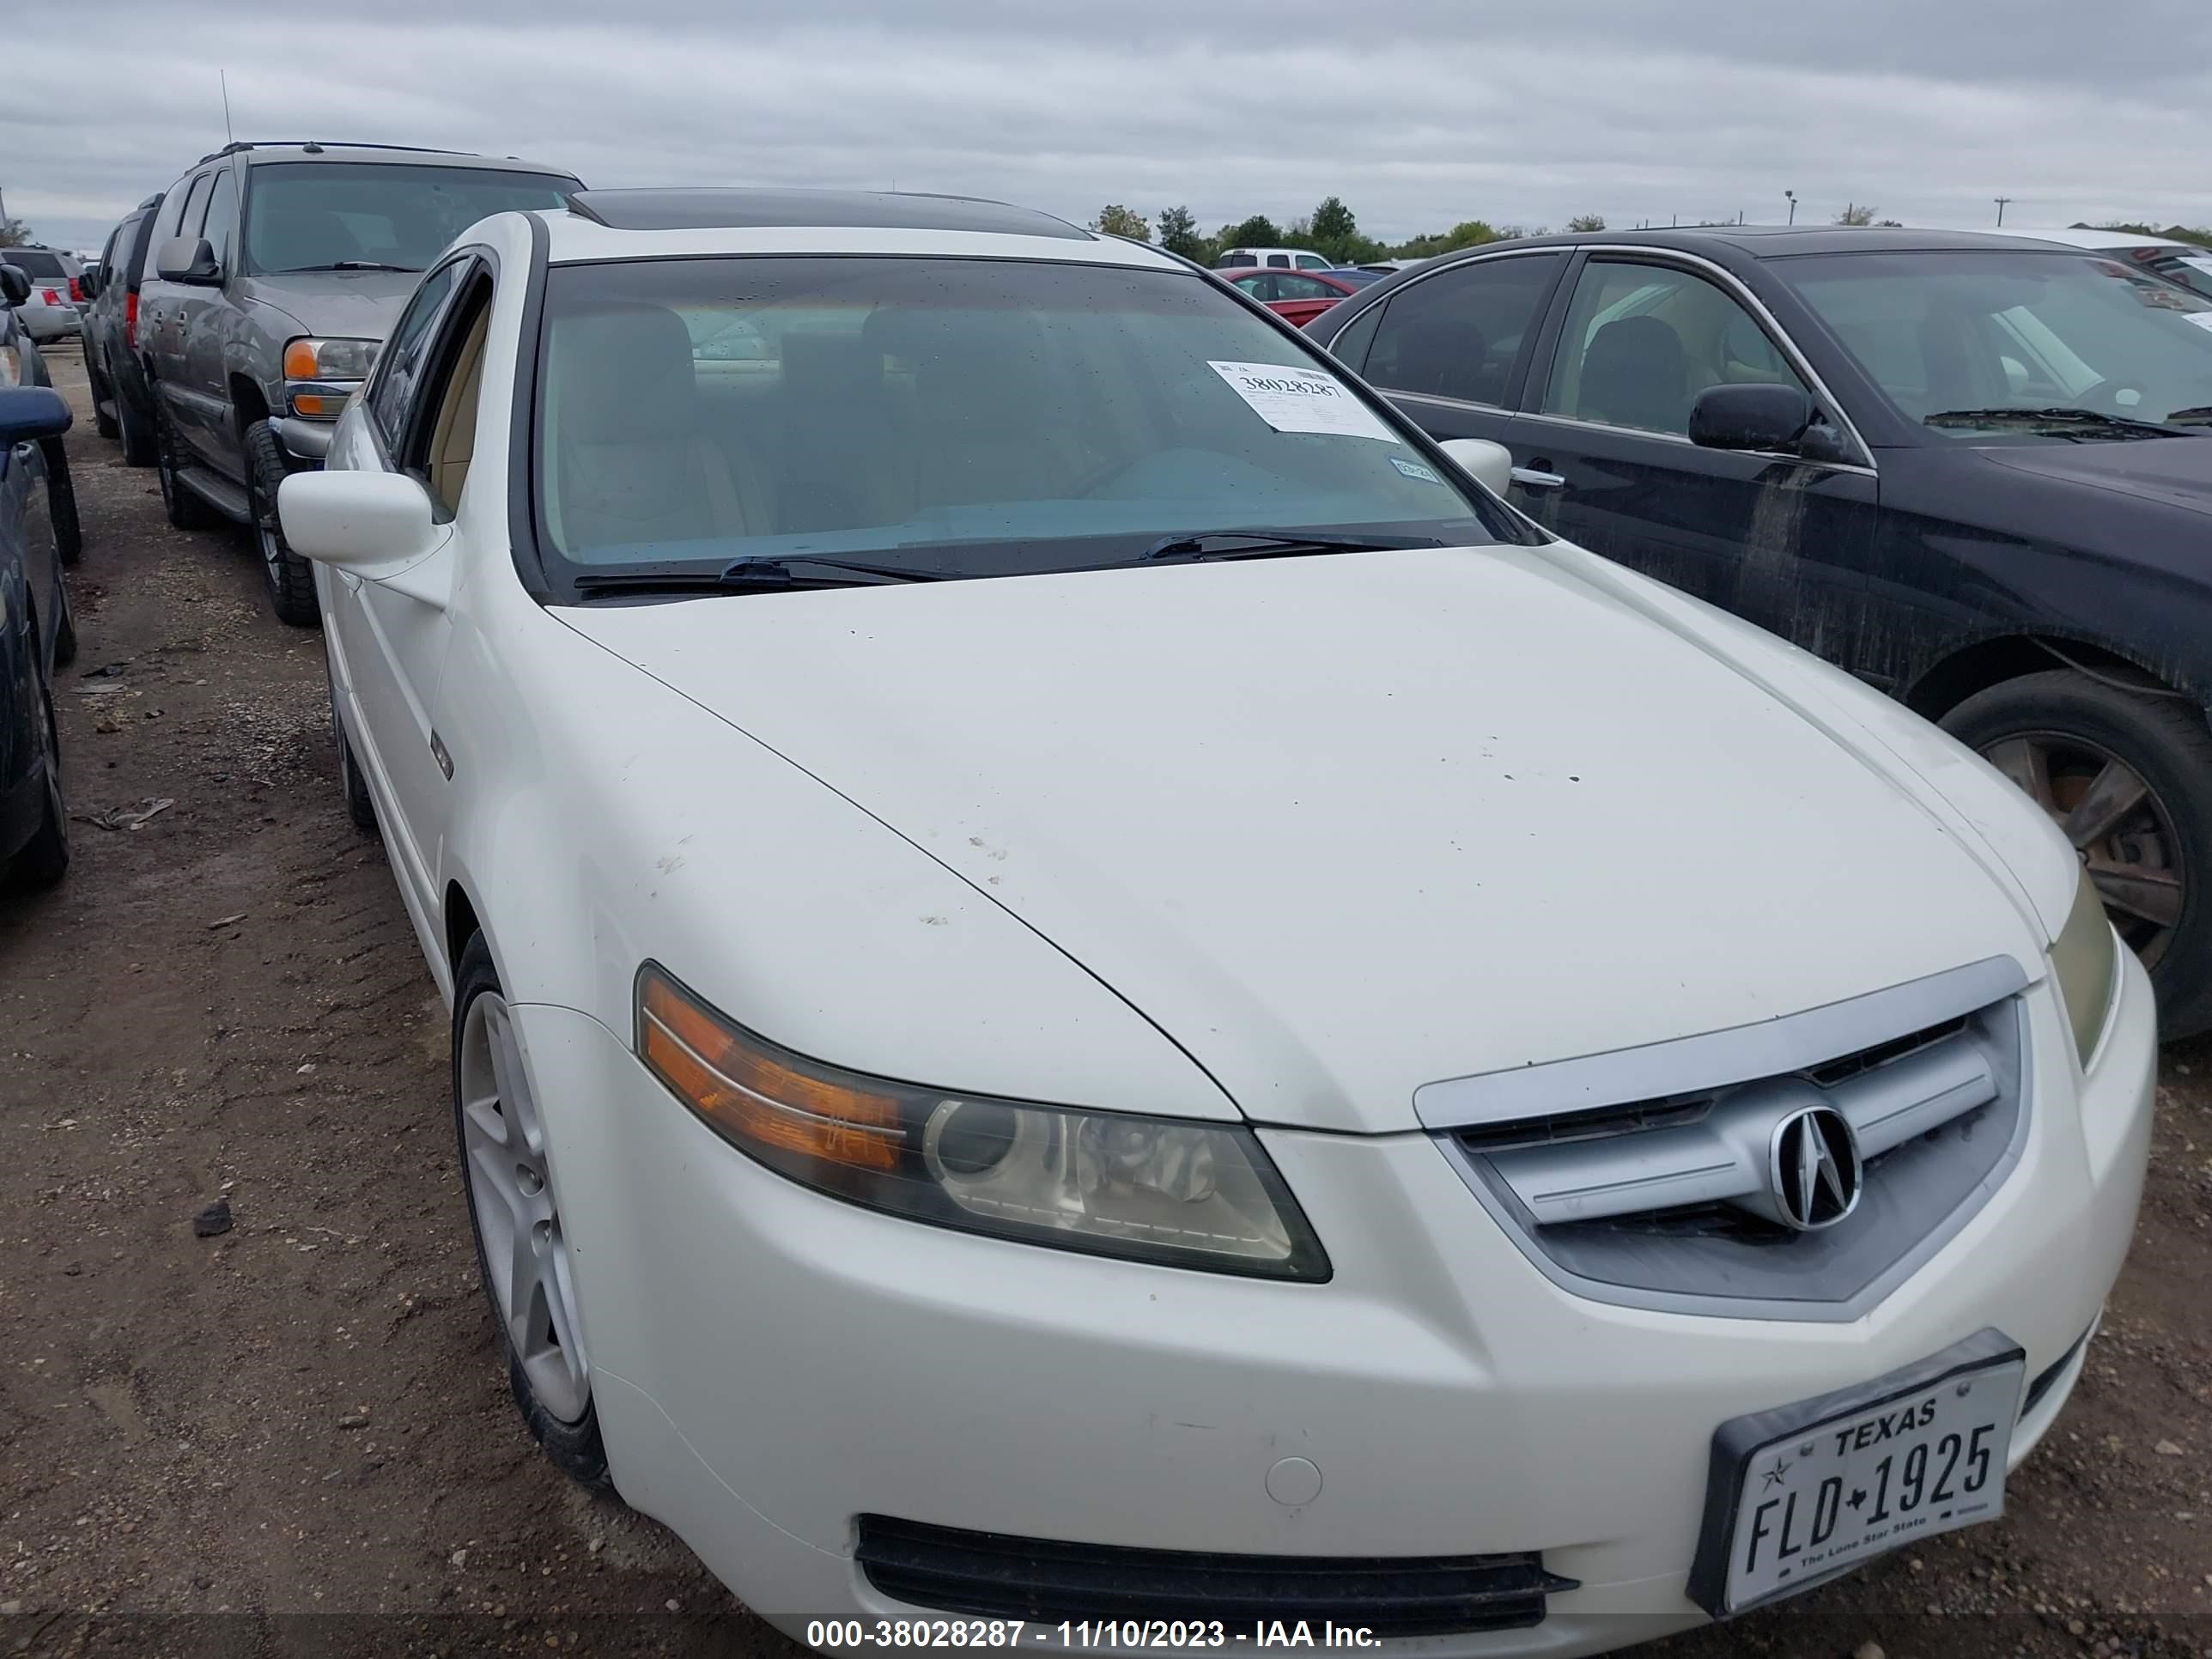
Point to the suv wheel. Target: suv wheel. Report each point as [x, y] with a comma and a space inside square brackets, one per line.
[136, 431]
[2127, 777]
[291, 578]
[184, 510]
[521, 1252]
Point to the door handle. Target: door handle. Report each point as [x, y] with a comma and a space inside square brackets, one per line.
[1535, 480]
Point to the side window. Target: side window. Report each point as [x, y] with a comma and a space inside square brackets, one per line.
[1297, 287]
[1641, 341]
[440, 438]
[1311, 261]
[399, 365]
[222, 216]
[1260, 286]
[1351, 344]
[1279, 261]
[193, 208]
[1460, 333]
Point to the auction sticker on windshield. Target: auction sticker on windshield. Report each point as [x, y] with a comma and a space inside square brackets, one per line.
[1798, 1494]
[1294, 399]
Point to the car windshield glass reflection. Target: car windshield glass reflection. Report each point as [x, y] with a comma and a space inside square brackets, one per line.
[350, 216]
[1979, 345]
[961, 417]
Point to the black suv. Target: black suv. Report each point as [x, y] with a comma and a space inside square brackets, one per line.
[122, 399]
[1974, 470]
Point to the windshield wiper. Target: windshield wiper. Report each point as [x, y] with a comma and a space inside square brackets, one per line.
[345, 265]
[2032, 420]
[2195, 414]
[757, 571]
[1274, 544]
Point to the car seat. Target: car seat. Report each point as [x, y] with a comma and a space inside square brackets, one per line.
[1636, 373]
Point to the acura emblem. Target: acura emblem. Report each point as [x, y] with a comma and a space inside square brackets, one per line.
[1816, 1169]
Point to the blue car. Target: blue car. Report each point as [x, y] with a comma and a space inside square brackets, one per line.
[36, 637]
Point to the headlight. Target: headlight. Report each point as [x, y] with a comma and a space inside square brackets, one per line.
[1182, 1193]
[2086, 960]
[330, 360]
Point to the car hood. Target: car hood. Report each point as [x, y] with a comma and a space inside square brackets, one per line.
[345, 304]
[2175, 470]
[1342, 826]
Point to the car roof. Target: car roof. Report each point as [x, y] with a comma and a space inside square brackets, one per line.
[261, 152]
[811, 210]
[637, 224]
[2075, 236]
[1770, 242]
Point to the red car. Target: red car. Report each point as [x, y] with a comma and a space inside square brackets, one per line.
[1296, 296]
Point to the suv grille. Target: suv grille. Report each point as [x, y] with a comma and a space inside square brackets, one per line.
[992, 1576]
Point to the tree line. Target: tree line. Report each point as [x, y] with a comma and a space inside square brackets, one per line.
[1332, 230]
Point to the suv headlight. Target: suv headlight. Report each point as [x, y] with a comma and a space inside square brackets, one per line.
[310, 361]
[2086, 961]
[1181, 1194]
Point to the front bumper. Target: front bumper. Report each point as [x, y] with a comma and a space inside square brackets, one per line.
[770, 1364]
[306, 439]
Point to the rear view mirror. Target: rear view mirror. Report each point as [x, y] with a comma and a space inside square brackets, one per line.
[359, 521]
[1752, 416]
[14, 285]
[1490, 465]
[29, 413]
[188, 259]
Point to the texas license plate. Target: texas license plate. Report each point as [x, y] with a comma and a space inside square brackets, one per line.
[1804, 1491]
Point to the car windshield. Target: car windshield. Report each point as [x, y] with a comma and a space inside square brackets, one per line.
[1974, 345]
[32, 262]
[950, 416]
[326, 215]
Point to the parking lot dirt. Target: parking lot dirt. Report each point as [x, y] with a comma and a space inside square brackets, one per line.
[294, 1437]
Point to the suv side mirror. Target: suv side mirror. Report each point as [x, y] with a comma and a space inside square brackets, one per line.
[29, 413]
[188, 259]
[14, 285]
[88, 281]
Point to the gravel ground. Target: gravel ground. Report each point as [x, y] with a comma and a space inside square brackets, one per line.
[295, 1438]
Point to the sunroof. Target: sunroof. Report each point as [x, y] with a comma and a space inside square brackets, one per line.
[811, 210]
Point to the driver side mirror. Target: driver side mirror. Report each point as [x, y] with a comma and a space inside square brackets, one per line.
[88, 281]
[1490, 465]
[14, 285]
[365, 522]
[188, 259]
[29, 413]
[1751, 417]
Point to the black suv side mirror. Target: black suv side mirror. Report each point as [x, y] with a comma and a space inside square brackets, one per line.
[188, 259]
[14, 285]
[88, 281]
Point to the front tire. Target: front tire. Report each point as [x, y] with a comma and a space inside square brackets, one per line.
[521, 1253]
[2127, 777]
[290, 579]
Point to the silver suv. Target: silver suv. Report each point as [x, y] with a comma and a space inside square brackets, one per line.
[278, 271]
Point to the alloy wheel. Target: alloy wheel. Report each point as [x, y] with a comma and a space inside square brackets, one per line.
[510, 1189]
[2119, 828]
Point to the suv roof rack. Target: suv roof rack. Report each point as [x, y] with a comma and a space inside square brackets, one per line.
[313, 145]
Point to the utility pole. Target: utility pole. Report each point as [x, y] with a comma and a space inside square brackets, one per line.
[2001, 202]
[1792, 195]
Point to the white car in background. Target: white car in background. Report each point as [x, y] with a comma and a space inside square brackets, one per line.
[2186, 264]
[1087, 986]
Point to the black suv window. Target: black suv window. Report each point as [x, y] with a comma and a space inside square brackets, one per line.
[1459, 333]
[330, 216]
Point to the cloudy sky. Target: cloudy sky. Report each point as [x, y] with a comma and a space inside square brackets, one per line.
[1418, 113]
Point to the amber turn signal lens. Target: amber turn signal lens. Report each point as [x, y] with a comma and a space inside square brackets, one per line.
[750, 1095]
[300, 361]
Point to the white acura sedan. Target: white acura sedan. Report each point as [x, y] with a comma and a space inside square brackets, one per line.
[1096, 1003]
